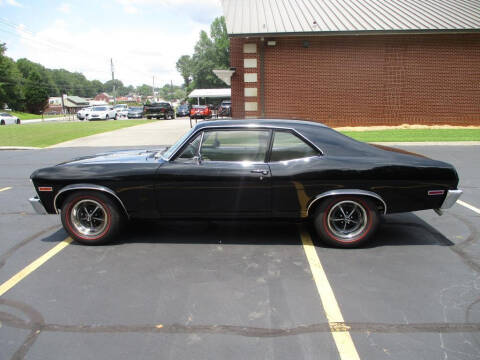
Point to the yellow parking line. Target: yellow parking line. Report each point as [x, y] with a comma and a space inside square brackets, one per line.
[27, 270]
[468, 206]
[5, 188]
[341, 335]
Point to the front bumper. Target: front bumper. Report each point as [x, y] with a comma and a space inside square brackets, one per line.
[37, 205]
[451, 198]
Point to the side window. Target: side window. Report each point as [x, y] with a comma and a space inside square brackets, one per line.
[235, 145]
[191, 150]
[287, 146]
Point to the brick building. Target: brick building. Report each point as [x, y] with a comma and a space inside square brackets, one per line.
[103, 97]
[347, 63]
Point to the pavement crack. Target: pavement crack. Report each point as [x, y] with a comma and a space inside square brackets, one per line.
[4, 257]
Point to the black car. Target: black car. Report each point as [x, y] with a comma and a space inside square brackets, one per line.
[135, 112]
[183, 110]
[159, 110]
[244, 169]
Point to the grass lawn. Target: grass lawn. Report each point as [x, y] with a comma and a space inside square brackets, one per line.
[413, 135]
[27, 116]
[50, 133]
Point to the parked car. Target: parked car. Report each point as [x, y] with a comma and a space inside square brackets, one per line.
[200, 112]
[82, 114]
[8, 119]
[281, 169]
[135, 113]
[159, 110]
[101, 113]
[183, 110]
[225, 108]
[121, 109]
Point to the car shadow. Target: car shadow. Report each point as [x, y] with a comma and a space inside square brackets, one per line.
[394, 230]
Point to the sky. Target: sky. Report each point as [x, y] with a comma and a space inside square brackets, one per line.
[144, 37]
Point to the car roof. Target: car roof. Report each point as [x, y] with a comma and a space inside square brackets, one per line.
[280, 123]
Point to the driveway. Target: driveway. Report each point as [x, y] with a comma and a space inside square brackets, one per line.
[161, 132]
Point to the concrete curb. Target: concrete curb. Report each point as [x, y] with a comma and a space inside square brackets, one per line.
[430, 143]
[19, 148]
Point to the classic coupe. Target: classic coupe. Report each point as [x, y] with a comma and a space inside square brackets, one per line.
[240, 169]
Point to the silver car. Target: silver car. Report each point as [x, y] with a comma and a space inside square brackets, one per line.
[8, 119]
[102, 113]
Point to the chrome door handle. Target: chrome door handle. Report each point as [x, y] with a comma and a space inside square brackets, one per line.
[259, 171]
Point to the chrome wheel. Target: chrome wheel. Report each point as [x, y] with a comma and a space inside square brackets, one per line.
[89, 218]
[347, 219]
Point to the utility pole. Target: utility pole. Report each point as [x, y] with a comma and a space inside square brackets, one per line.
[113, 82]
[153, 87]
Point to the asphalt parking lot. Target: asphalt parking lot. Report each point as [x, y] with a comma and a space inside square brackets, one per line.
[250, 290]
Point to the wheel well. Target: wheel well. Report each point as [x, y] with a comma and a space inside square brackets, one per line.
[381, 207]
[58, 202]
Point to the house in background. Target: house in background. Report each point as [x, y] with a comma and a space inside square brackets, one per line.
[104, 97]
[54, 106]
[74, 103]
[349, 62]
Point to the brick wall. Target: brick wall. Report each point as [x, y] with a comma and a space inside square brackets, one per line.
[363, 80]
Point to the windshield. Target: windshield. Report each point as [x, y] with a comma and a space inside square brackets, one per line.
[100, 108]
[136, 109]
[173, 149]
[5, 114]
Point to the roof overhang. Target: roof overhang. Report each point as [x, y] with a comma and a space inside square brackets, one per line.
[205, 93]
[225, 75]
[355, 33]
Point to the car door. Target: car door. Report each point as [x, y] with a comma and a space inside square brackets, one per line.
[219, 173]
[294, 164]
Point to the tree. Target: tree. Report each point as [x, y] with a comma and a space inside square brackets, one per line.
[172, 92]
[185, 68]
[10, 82]
[119, 88]
[144, 90]
[97, 87]
[36, 94]
[211, 52]
[26, 67]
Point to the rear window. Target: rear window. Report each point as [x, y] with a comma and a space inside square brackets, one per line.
[199, 107]
[287, 146]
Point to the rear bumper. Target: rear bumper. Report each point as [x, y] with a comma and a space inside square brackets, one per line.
[451, 198]
[37, 205]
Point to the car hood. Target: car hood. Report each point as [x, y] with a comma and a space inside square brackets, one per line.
[120, 156]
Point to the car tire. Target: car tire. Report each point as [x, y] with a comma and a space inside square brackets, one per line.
[346, 221]
[2, 122]
[148, 117]
[116, 117]
[18, 122]
[107, 117]
[101, 226]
